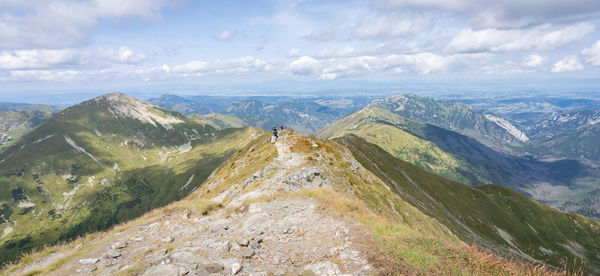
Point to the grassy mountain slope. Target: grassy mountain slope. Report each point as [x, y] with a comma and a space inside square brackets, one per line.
[384, 128]
[567, 185]
[570, 134]
[13, 125]
[219, 120]
[99, 163]
[457, 117]
[493, 216]
[303, 204]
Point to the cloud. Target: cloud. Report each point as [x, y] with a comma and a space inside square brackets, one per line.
[420, 63]
[372, 26]
[224, 35]
[231, 66]
[40, 59]
[505, 13]
[31, 24]
[567, 64]
[390, 27]
[534, 60]
[45, 75]
[592, 54]
[294, 52]
[124, 55]
[543, 37]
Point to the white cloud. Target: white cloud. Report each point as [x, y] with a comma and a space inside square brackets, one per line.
[64, 23]
[543, 37]
[40, 59]
[592, 54]
[390, 27]
[45, 75]
[224, 35]
[294, 52]
[567, 64]
[371, 26]
[534, 60]
[124, 55]
[420, 63]
[506, 13]
[231, 66]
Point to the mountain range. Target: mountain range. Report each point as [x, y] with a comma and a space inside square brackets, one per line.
[302, 205]
[381, 191]
[306, 115]
[568, 185]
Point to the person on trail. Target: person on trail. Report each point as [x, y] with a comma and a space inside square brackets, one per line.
[281, 127]
[275, 133]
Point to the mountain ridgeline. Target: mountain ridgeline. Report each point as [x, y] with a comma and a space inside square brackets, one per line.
[458, 117]
[301, 205]
[306, 115]
[384, 194]
[569, 185]
[492, 216]
[100, 163]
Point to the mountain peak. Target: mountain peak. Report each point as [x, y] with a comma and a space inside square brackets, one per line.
[121, 105]
[116, 97]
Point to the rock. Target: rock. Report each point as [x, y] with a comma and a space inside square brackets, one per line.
[183, 270]
[235, 268]
[187, 257]
[137, 238]
[226, 227]
[167, 239]
[230, 263]
[158, 257]
[113, 253]
[300, 232]
[254, 245]
[243, 242]
[119, 245]
[213, 268]
[234, 247]
[247, 253]
[88, 261]
[162, 270]
[321, 268]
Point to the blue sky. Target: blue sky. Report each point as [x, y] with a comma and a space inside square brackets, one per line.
[159, 46]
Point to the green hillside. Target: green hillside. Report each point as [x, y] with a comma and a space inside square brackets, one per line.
[219, 120]
[386, 129]
[458, 117]
[99, 163]
[14, 124]
[493, 216]
[568, 185]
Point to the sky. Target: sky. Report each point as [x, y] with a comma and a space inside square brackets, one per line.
[186, 47]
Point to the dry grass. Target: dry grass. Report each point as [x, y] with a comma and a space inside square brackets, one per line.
[91, 241]
[402, 250]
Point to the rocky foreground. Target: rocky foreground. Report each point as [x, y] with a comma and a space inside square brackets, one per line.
[275, 237]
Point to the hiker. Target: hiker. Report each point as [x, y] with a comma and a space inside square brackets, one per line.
[282, 127]
[275, 133]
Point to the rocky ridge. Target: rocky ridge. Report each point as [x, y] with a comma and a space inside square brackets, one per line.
[276, 237]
